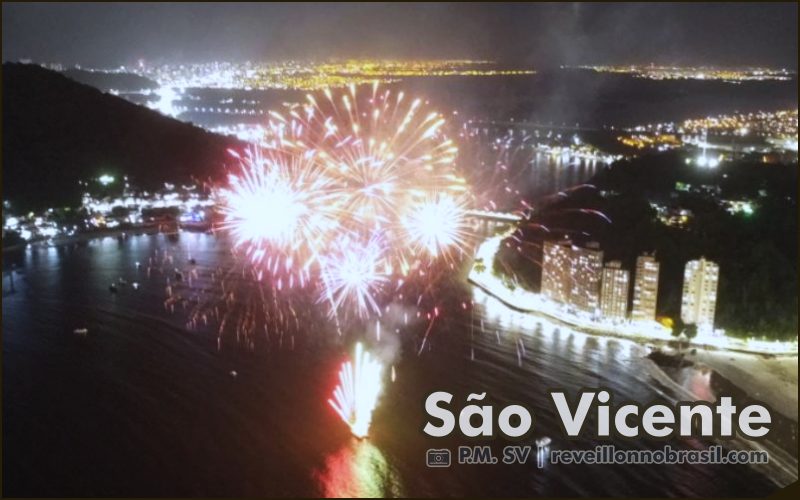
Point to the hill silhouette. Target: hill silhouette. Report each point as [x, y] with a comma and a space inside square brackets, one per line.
[57, 131]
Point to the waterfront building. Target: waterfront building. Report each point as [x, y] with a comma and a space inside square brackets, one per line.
[586, 270]
[614, 291]
[700, 280]
[645, 289]
[556, 270]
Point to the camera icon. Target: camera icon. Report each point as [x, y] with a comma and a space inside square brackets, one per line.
[438, 458]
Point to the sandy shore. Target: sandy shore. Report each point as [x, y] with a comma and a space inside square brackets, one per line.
[772, 380]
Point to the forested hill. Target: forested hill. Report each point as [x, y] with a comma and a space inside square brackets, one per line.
[57, 131]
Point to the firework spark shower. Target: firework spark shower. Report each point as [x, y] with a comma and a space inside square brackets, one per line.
[356, 187]
[355, 397]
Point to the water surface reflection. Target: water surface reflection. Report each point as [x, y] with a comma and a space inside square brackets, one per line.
[358, 469]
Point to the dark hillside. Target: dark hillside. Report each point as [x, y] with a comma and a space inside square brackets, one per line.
[57, 131]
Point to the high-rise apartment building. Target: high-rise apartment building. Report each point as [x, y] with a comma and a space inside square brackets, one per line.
[645, 289]
[556, 270]
[700, 279]
[586, 271]
[614, 291]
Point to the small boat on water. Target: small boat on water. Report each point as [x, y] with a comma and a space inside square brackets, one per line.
[81, 331]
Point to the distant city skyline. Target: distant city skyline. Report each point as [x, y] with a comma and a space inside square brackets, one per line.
[540, 35]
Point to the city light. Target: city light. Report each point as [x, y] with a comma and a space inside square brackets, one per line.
[312, 76]
[654, 72]
[705, 161]
[763, 130]
[105, 179]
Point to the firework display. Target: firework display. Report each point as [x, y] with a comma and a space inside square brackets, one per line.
[333, 250]
[355, 397]
[356, 188]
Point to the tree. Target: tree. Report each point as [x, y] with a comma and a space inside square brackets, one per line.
[690, 331]
[677, 327]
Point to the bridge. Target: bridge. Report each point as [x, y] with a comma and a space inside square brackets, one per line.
[493, 216]
[486, 222]
[537, 125]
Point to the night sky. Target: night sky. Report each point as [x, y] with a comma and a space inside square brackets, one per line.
[535, 34]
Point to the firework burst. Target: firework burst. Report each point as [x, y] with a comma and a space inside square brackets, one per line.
[354, 275]
[353, 187]
[278, 208]
[438, 225]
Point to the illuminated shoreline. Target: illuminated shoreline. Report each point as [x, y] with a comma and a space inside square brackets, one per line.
[316, 75]
[525, 301]
[728, 75]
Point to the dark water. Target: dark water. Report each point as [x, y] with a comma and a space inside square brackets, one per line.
[143, 406]
[565, 97]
